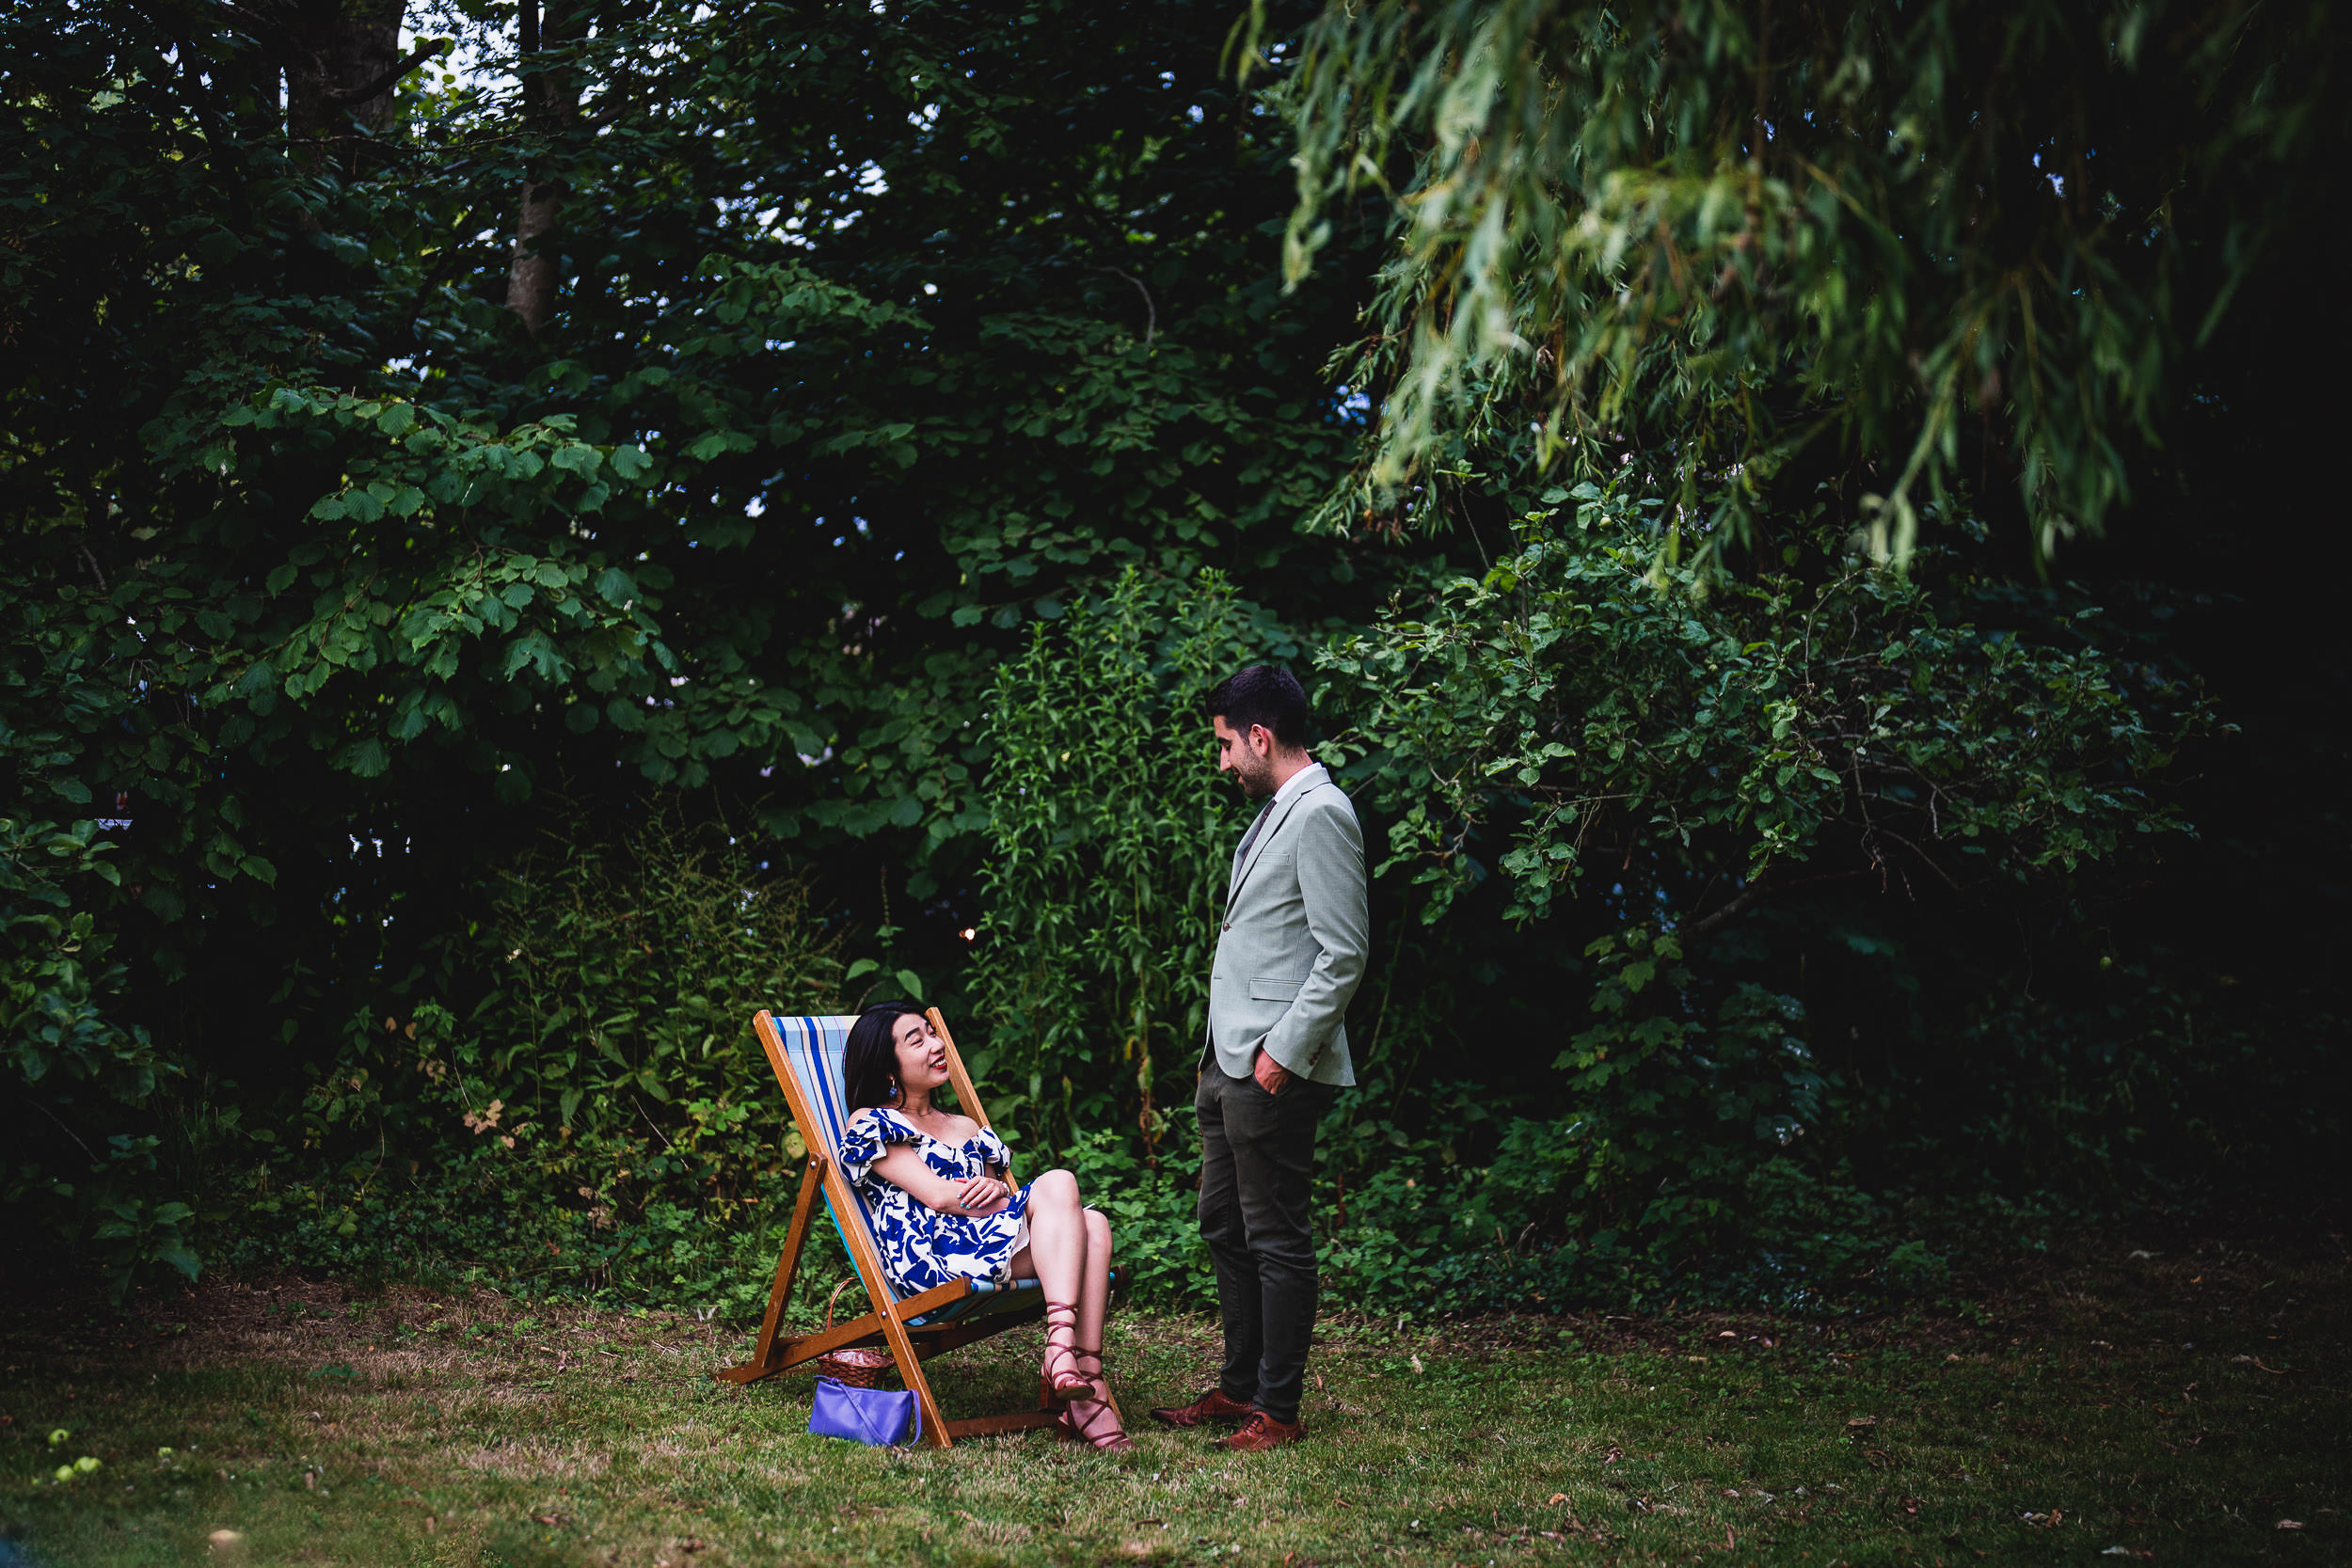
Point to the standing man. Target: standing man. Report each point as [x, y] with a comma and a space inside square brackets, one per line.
[1289, 957]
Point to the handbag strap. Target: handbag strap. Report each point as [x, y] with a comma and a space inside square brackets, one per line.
[874, 1406]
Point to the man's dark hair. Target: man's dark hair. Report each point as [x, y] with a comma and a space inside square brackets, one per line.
[1262, 694]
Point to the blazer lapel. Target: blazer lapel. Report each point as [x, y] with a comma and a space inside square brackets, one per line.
[1257, 851]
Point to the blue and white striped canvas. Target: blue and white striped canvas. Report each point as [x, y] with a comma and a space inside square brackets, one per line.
[813, 1049]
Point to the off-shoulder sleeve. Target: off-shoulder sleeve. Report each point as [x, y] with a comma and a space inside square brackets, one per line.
[871, 1131]
[989, 1149]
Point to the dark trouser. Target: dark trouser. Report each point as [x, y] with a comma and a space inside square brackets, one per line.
[1257, 1170]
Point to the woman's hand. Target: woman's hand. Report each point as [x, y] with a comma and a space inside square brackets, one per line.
[974, 1196]
[983, 1194]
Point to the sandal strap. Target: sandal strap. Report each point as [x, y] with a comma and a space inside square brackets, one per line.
[1088, 1427]
[1061, 1318]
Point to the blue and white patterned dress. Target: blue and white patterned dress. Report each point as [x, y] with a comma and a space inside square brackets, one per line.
[922, 1247]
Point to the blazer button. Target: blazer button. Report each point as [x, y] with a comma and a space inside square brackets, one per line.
[1226, 926]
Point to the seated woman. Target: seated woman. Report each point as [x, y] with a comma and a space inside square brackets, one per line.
[939, 1189]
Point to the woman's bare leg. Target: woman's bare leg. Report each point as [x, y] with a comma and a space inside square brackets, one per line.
[1095, 1291]
[1094, 1421]
[1056, 1255]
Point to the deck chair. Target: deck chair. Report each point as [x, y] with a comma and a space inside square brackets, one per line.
[806, 1053]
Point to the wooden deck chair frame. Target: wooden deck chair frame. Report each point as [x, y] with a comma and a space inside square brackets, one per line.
[916, 1328]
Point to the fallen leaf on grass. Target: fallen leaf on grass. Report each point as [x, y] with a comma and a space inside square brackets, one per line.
[2127, 1551]
[1861, 1423]
[2288, 1524]
[1556, 1499]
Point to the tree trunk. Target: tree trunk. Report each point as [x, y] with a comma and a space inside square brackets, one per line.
[550, 102]
[531, 279]
[333, 49]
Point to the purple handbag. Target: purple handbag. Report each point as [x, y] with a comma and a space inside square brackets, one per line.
[880, 1417]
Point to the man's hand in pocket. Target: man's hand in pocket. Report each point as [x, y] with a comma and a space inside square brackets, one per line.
[1271, 1075]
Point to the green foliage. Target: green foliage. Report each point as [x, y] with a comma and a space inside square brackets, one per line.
[1109, 839]
[2141, 1089]
[53, 1023]
[323, 565]
[78, 1073]
[581, 1070]
[1718, 746]
[1746, 233]
[1153, 1208]
[835, 476]
[1668, 1163]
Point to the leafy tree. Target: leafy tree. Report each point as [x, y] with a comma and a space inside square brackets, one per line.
[1911, 244]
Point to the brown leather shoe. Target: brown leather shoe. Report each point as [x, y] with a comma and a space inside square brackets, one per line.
[1263, 1432]
[1211, 1406]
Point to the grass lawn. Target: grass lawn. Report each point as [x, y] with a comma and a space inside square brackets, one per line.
[2174, 1408]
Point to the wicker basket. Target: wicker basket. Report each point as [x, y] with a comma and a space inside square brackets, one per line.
[859, 1366]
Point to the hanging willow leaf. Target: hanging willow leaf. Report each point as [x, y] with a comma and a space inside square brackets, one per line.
[1746, 232]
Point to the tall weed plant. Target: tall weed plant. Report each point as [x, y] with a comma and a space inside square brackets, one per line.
[1109, 836]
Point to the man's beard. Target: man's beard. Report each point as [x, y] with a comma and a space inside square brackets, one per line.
[1257, 778]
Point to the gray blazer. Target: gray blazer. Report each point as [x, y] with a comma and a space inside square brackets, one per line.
[1297, 932]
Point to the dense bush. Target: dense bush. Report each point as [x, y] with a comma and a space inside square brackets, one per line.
[572, 1095]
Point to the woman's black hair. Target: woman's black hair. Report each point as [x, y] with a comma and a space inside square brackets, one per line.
[870, 1064]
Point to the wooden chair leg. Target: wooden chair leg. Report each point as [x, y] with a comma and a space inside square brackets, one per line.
[788, 1268]
[911, 1372]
